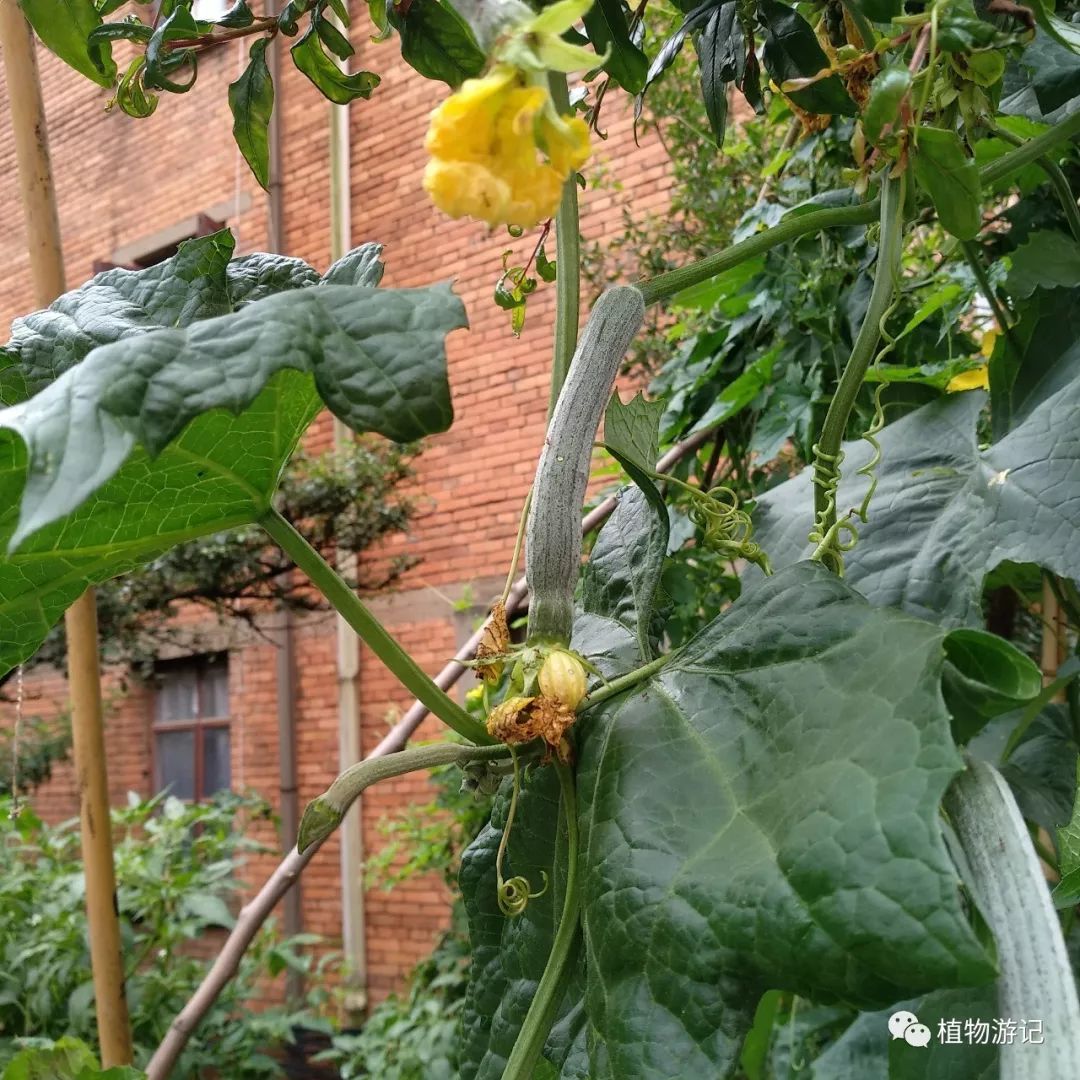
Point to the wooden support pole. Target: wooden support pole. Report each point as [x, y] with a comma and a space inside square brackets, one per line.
[47, 268]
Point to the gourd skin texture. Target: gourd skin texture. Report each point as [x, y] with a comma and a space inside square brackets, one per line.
[553, 554]
[1008, 885]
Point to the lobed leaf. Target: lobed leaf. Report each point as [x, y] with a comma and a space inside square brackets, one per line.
[947, 512]
[782, 831]
[164, 435]
[762, 814]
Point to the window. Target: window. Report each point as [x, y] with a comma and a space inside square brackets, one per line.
[191, 727]
[151, 250]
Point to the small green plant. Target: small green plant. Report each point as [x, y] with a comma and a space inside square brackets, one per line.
[179, 868]
[414, 1037]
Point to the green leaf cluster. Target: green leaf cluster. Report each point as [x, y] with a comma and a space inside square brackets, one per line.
[179, 869]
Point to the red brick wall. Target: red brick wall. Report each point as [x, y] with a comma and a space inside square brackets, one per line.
[120, 180]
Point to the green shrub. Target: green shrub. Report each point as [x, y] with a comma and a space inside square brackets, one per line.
[177, 868]
[416, 1037]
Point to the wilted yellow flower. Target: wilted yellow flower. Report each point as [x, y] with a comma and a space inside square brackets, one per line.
[488, 143]
[977, 378]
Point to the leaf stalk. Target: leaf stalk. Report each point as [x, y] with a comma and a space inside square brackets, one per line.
[357, 614]
[552, 986]
[827, 450]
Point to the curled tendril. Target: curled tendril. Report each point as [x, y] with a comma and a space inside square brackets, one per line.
[869, 470]
[725, 526]
[513, 894]
[830, 545]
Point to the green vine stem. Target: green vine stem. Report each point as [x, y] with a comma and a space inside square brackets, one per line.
[1008, 885]
[664, 286]
[567, 264]
[1030, 152]
[325, 812]
[827, 453]
[1058, 181]
[356, 613]
[545, 1003]
[625, 682]
[514, 893]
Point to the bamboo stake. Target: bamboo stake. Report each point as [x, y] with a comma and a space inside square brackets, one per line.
[47, 270]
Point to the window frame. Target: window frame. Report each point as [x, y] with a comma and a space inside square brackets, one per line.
[197, 724]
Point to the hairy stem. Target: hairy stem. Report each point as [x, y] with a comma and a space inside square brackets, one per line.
[1031, 150]
[890, 248]
[326, 812]
[356, 613]
[567, 265]
[666, 285]
[1058, 181]
[552, 986]
[624, 682]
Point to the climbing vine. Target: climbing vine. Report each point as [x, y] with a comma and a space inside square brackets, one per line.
[703, 830]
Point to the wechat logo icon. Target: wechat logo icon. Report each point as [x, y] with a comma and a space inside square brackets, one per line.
[905, 1025]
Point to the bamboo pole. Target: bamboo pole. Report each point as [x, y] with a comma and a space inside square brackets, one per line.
[47, 270]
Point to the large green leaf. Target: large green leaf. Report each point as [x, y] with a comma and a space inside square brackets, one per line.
[437, 42]
[764, 814]
[164, 435]
[1046, 259]
[947, 512]
[198, 282]
[65, 26]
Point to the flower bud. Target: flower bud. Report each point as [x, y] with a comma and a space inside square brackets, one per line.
[563, 677]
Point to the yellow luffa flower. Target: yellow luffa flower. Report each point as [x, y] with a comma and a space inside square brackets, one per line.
[488, 144]
[978, 378]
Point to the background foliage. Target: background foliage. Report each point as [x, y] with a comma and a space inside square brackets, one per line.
[179, 869]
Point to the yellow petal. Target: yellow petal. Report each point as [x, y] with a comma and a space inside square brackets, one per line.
[467, 189]
[976, 379]
[567, 140]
